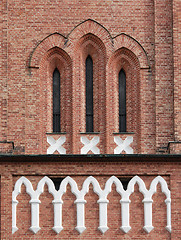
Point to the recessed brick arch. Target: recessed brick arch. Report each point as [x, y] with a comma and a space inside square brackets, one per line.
[125, 41]
[124, 59]
[90, 40]
[93, 46]
[55, 51]
[52, 59]
[107, 53]
[90, 26]
[51, 41]
[134, 61]
[90, 44]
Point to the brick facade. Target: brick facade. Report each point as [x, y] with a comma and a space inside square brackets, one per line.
[142, 38]
[139, 37]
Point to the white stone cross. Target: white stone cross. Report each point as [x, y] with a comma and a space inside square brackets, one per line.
[56, 145]
[123, 145]
[90, 145]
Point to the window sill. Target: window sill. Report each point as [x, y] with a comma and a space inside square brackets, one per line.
[54, 133]
[119, 133]
[89, 132]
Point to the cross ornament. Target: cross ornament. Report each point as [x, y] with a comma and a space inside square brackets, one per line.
[56, 145]
[123, 145]
[90, 145]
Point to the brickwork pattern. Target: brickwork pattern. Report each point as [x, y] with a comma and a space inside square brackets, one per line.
[163, 72]
[89, 38]
[35, 40]
[177, 67]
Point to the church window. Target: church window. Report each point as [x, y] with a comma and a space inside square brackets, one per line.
[89, 95]
[122, 101]
[56, 101]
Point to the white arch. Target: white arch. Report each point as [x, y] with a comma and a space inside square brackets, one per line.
[41, 184]
[164, 186]
[166, 191]
[73, 184]
[15, 193]
[18, 184]
[96, 187]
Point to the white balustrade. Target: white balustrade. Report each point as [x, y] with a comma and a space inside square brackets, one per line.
[80, 201]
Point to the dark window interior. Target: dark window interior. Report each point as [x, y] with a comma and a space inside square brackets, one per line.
[125, 182]
[57, 182]
[56, 101]
[89, 95]
[122, 101]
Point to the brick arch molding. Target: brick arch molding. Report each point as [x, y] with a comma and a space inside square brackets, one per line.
[94, 25]
[55, 40]
[125, 41]
[86, 27]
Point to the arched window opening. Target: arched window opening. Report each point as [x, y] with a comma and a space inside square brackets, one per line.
[89, 95]
[56, 101]
[122, 101]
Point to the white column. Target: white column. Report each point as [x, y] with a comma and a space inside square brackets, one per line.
[125, 215]
[103, 215]
[80, 203]
[57, 215]
[14, 205]
[148, 214]
[35, 215]
[168, 202]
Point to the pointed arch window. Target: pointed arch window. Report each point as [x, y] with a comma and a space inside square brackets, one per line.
[89, 94]
[56, 101]
[122, 101]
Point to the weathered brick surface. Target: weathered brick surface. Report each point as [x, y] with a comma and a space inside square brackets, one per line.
[147, 56]
[6, 147]
[143, 38]
[163, 72]
[174, 147]
[177, 67]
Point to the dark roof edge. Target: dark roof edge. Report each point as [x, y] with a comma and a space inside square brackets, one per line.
[93, 158]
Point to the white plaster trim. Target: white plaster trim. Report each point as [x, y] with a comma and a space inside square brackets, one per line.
[80, 201]
[90, 145]
[56, 145]
[123, 145]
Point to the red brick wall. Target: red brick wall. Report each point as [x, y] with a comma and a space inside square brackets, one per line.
[26, 101]
[3, 71]
[163, 72]
[6, 147]
[140, 36]
[177, 67]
